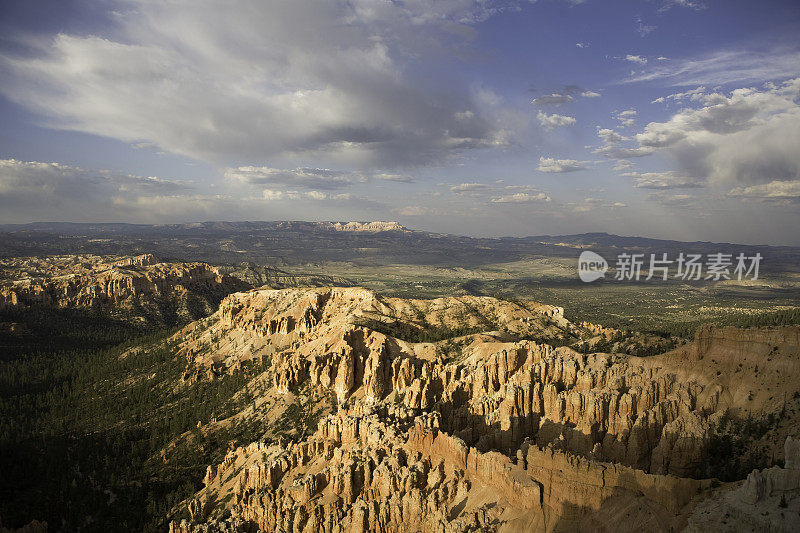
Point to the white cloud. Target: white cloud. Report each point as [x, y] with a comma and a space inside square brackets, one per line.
[400, 178]
[423, 12]
[37, 191]
[521, 198]
[636, 59]
[724, 67]
[622, 164]
[551, 165]
[611, 142]
[317, 195]
[271, 194]
[32, 190]
[582, 45]
[563, 95]
[313, 195]
[747, 137]
[552, 99]
[244, 81]
[310, 178]
[555, 120]
[626, 117]
[413, 210]
[591, 204]
[320, 178]
[63, 181]
[691, 4]
[498, 193]
[693, 95]
[665, 180]
[610, 136]
[469, 187]
[774, 190]
[613, 151]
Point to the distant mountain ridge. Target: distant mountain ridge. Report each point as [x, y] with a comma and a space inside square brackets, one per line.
[377, 244]
[599, 239]
[90, 228]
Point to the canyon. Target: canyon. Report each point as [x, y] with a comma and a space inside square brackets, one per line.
[266, 400]
[472, 413]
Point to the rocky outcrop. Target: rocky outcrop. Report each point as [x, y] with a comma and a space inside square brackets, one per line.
[90, 281]
[366, 227]
[756, 369]
[371, 472]
[741, 342]
[143, 260]
[768, 500]
[511, 435]
[315, 330]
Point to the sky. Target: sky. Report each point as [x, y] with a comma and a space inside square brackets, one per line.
[671, 119]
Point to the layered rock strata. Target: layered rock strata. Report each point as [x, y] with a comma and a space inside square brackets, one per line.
[89, 281]
[508, 435]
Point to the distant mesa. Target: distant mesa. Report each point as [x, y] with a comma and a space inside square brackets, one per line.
[367, 227]
[203, 228]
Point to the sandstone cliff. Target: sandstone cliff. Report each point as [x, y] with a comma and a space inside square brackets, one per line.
[366, 227]
[768, 500]
[500, 433]
[82, 282]
[388, 471]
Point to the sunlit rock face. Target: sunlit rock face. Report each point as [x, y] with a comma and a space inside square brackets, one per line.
[506, 434]
[131, 284]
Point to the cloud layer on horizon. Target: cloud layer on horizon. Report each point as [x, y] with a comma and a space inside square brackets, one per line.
[33, 191]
